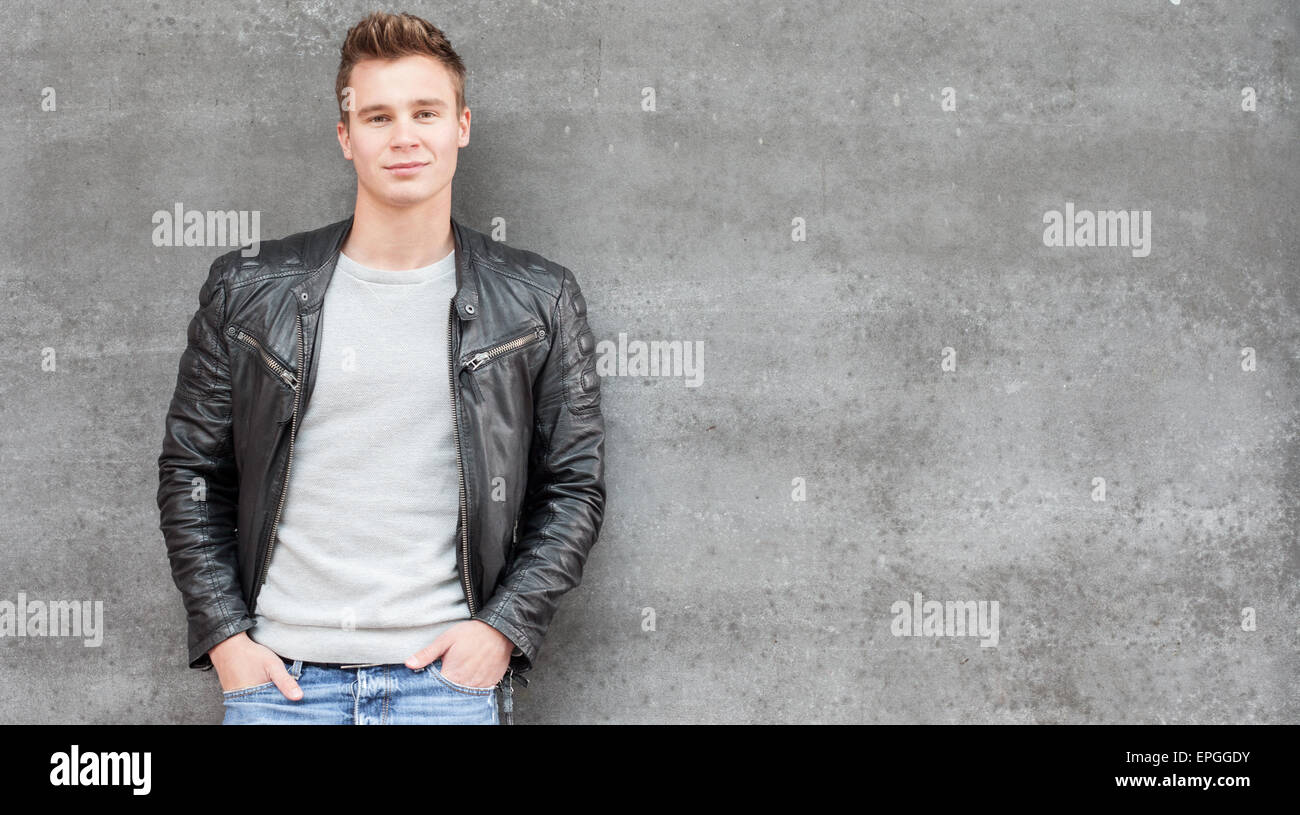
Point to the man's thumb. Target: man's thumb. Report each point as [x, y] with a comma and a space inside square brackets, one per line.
[428, 653]
[284, 681]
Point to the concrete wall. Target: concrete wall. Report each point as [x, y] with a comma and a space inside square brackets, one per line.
[904, 389]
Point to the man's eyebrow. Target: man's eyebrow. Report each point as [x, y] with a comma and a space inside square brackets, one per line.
[419, 103]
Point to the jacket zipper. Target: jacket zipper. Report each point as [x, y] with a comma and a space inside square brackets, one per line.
[484, 357]
[271, 362]
[284, 489]
[460, 470]
[477, 361]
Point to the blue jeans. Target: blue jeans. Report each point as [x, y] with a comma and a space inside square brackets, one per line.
[378, 694]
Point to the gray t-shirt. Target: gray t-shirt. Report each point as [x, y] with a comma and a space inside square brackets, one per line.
[365, 569]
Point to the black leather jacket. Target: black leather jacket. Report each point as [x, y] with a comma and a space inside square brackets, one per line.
[526, 404]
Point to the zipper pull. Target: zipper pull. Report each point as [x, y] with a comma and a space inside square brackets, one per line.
[290, 379]
[507, 700]
[476, 361]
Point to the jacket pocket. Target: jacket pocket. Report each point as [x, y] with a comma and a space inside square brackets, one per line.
[264, 387]
[478, 359]
[272, 363]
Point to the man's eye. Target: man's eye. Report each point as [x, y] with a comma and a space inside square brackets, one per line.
[376, 118]
[430, 112]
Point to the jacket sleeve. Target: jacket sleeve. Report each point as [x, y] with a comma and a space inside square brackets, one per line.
[564, 503]
[198, 482]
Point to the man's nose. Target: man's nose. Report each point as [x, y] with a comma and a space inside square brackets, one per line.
[404, 133]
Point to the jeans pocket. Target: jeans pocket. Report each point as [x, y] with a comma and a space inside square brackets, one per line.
[251, 689]
[294, 667]
[434, 667]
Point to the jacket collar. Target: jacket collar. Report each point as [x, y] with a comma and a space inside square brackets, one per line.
[320, 255]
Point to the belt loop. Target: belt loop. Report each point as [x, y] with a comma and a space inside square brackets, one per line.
[296, 669]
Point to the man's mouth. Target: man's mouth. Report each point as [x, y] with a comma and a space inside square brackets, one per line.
[406, 167]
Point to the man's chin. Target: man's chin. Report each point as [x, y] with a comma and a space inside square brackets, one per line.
[402, 195]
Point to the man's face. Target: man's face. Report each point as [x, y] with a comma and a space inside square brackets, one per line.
[403, 134]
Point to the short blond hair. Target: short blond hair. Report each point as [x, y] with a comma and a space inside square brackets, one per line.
[389, 36]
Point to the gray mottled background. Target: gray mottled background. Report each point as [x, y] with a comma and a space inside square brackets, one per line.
[821, 357]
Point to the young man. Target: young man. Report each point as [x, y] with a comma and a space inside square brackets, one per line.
[383, 460]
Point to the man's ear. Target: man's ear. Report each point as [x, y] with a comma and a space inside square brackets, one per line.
[345, 141]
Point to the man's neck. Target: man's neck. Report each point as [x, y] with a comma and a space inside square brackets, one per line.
[400, 238]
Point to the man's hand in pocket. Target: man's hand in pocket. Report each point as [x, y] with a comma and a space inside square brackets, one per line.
[242, 663]
[473, 654]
